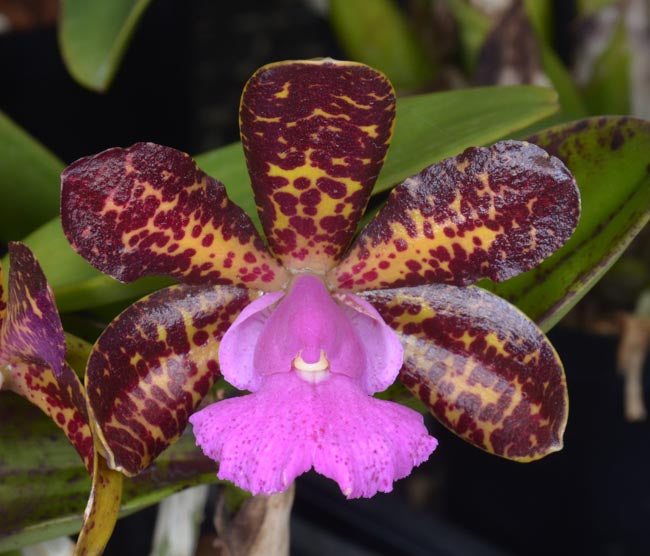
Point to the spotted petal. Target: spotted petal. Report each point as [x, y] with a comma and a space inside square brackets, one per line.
[149, 210]
[153, 364]
[481, 367]
[487, 213]
[32, 350]
[315, 135]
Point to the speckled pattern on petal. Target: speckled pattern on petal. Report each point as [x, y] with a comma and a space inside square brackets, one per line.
[149, 210]
[263, 441]
[32, 331]
[315, 134]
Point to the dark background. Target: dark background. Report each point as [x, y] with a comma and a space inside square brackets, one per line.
[179, 85]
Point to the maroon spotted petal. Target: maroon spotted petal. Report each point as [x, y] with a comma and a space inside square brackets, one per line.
[32, 351]
[481, 366]
[315, 134]
[153, 364]
[32, 330]
[150, 210]
[487, 213]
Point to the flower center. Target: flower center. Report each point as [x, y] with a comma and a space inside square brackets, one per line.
[312, 372]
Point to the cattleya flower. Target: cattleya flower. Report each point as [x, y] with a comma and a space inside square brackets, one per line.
[310, 328]
[32, 351]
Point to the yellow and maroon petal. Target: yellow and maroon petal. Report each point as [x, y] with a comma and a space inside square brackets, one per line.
[315, 134]
[60, 397]
[31, 329]
[149, 210]
[32, 351]
[481, 366]
[487, 213]
[152, 366]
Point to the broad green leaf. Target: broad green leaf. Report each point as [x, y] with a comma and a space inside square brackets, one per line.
[431, 127]
[44, 487]
[428, 128]
[608, 90]
[610, 158]
[94, 35]
[376, 33]
[75, 283]
[29, 182]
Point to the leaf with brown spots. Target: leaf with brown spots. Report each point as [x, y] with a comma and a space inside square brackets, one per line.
[487, 213]
[149, 210]
[152, 366]
[32, 351]
[483, 369]
[315, 135]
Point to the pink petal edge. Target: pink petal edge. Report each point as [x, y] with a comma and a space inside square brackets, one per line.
[263, 441]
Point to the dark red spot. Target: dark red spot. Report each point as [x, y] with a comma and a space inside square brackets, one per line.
[400, 244]
[335, 189]
[207, 240]
[413, 265]
[311, 197]
[304, 226]
[301, 183]
[287, 202]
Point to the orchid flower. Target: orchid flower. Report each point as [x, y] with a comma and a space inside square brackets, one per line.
[311, 328]
[32, 351]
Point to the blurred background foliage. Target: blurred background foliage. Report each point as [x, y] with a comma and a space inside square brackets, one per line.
[79, 76]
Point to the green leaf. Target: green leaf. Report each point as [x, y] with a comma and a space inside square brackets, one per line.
[29, 182]
[75, 283]
[94, 34]
[571, 103]
[608, 90]
[610, 158]
[44, 487]
[540, 14]
[431, 127]
[376, 33]
[428, 128]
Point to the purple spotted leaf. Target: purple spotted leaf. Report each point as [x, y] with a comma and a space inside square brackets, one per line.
[32, 351]
[149, 210]
[487, 213]
[315, 135]
[482, 368]
[152, 366]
